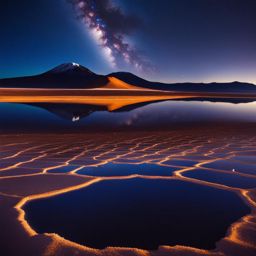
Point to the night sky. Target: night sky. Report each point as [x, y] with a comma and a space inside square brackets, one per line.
[165, 40]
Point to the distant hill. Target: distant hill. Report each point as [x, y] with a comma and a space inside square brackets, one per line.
[192, 87]
[73, 75]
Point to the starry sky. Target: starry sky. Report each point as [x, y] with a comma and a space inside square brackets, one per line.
[163, 40]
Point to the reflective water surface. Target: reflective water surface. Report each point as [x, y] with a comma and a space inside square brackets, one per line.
[139, 213]
[145, 116]
[145, 176]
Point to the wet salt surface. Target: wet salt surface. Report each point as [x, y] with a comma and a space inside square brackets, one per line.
[139, 213]
[136, 213]
[63, 169]
[177, 162]
[232, 179]
[115, 169]
[230, 165]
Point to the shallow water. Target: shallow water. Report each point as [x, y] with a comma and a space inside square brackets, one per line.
[152, 116]
[114, 169]
[139, 213]
[230, 165]
[213, 143]
[229, 179]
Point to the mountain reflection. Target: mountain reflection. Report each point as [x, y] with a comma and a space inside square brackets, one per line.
[76, 112]
[148, 116]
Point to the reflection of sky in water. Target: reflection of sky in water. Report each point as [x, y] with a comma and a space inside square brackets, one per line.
[161, 114]
[122, 212]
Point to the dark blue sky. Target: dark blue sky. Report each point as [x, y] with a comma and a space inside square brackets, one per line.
[183, 40]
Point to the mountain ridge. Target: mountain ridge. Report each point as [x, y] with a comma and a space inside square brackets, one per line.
[75, 76]
[136, 80]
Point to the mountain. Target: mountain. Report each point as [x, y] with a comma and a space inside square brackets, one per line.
[67, 75]
[75, 76]
[185, 87]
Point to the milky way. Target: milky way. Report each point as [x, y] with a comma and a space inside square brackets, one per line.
[110, 27]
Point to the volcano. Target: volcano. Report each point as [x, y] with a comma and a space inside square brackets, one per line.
[67, 75]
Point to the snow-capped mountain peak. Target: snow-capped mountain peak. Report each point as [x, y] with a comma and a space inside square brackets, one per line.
[75, 64]
[70, 67]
